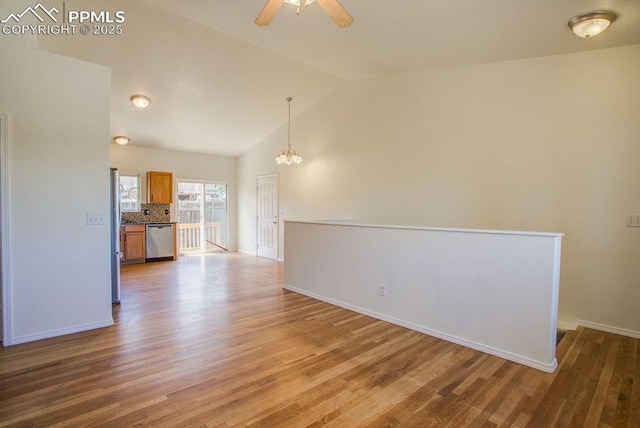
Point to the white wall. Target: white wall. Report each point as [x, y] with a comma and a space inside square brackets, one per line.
[59, 172]
[544, 144]
[132, 160]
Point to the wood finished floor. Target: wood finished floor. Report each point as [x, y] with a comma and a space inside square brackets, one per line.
[214, 341]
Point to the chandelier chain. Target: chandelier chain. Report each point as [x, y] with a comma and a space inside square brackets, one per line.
[289, 128]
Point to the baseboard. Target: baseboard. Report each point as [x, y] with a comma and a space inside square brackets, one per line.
[566, 325]
[60, 332]
[245, 251]
[610, 329]
[540, 365]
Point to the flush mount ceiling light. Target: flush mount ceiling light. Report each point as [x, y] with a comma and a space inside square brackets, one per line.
[289, 156]
[121, 140]
[140, 101]
[591, 24]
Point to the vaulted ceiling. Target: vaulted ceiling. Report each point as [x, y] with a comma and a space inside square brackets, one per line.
[218, 82]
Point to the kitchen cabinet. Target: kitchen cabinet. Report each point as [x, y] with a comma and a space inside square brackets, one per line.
[159, 187]
[133, 243]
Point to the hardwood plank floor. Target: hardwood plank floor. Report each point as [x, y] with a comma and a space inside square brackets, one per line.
[215, 341]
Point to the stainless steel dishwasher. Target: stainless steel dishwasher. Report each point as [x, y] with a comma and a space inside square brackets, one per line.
[160, 241]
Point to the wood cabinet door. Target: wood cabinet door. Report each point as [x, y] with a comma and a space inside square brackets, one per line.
[133, 243]
[135, 247]
[159, 187]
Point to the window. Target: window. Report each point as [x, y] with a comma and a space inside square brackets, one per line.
[129, 193]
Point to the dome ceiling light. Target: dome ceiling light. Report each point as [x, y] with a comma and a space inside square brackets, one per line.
[591, 24]
[140, 101]
[121, 140]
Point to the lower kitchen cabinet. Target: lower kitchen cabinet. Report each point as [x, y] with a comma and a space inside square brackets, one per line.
[133, 243]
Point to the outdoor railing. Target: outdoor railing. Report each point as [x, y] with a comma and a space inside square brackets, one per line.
[189, 236]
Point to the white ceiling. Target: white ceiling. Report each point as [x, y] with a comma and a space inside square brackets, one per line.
[218, 82]
[394, 36]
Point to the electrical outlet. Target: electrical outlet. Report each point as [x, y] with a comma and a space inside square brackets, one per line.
[95, 219]
[382, 290]
[633, 220]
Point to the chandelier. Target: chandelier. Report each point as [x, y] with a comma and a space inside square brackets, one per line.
[289, 155]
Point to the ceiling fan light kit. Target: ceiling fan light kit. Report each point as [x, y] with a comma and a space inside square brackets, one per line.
[297, 3]
[591, 24]
[333, 8]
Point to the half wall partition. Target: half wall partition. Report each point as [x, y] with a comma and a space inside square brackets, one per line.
[493, 291]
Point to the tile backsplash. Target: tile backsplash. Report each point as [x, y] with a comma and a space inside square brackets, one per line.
[158, 213]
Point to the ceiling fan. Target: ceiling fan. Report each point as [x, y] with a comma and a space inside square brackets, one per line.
[333, 8]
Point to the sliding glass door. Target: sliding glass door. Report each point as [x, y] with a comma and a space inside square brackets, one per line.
[202, 217]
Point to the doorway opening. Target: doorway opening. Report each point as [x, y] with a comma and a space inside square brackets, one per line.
[202, 217]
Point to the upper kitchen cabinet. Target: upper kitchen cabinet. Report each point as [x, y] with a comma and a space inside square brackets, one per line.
[159, 187]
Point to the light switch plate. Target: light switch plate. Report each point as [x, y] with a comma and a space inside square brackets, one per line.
[633, 220]
[95, 219]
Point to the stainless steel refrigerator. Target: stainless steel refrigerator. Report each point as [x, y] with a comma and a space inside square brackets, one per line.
[115, 237]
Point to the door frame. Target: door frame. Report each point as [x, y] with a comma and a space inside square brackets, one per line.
[5, 247]
[277, 237]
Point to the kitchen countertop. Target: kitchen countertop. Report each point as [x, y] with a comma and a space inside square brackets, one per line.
[148, 222]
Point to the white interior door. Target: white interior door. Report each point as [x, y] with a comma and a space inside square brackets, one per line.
[267, 227]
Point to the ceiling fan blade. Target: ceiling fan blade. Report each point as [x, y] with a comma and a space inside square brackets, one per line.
[268, 12]
[336, 12]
